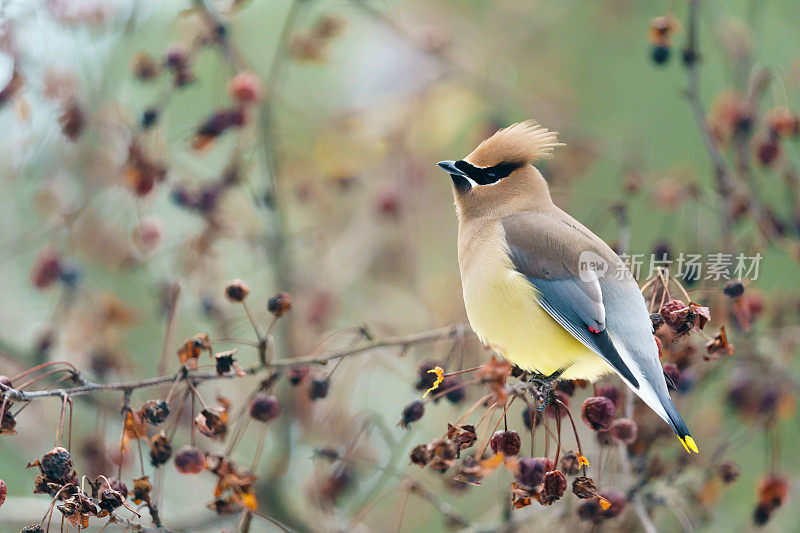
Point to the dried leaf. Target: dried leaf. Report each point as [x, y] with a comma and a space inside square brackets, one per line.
[718, 346]
[189, 351]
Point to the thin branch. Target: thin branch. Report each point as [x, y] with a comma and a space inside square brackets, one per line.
[318, 358]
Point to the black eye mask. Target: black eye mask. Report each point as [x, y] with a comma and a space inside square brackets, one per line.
[488, 175]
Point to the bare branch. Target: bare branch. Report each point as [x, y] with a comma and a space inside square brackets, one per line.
[89, 387]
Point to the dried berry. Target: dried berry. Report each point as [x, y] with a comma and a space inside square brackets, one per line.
[280, 304]
[589, 510]
[668, 311]
[160, 450]
[530, 417]
[617, 500]
[597, 412]
[319, 387]
[660, 54]
[190, 460]
[110, 500]
[507, 442]
[3, 492]
[454, 390]
[149, 118]
[118, 486]
[548, 463]
[425, 377]
[734, 289]
[265, 407]
[412, 412]
[237, 290]
[583, 487]
[611, 392]
[46, 269]
[661, 30]
[657, 320]
[144, 67]
[444, 449]
[624, 430]
[421, 455]
[72, 120]
[570, 463]
[773, 491]
[57, 465]
[555, 484]
[767, 151]
[177, 58]
[530, 472]
[761, 514]
[141, 490]
[154, 411]
[783, 122]
[729, 472]
[297, 374]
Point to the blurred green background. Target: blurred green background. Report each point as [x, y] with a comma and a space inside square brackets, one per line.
[356, 126]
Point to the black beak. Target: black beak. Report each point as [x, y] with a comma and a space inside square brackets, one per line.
[460, 180]
[450, 168]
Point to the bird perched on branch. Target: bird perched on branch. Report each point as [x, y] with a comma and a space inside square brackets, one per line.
[540, 288]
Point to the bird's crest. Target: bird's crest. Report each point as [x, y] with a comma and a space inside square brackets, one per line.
[523, 142]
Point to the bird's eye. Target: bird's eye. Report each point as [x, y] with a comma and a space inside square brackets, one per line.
[486, 175]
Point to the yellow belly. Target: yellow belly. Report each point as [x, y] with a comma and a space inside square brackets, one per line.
[502, 309]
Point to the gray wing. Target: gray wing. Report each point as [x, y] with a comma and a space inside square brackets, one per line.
[547, 253]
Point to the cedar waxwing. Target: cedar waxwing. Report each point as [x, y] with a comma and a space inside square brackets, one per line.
[540, 288]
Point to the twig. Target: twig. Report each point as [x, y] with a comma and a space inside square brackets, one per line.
[320, 358]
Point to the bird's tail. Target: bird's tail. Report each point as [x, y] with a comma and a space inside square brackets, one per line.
[678, 425]
[655, 395]
[652, 389]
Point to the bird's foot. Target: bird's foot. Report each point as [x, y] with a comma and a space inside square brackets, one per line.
[541, 387]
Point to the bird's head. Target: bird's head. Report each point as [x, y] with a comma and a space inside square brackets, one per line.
[499, 175]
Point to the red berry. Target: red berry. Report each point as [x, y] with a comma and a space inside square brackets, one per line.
[246, 88]
[555, 484]
[507, 442]
[597, 412]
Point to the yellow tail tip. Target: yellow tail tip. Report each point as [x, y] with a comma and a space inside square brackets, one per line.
[688, 444]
